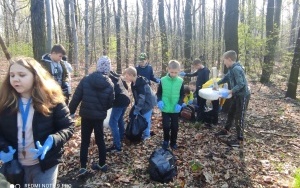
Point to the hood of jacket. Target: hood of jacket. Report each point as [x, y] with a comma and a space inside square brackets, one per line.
[46, 58]
[98, 80]
[140, 81]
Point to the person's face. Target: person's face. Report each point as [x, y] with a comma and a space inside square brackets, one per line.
[57, 57]
[192, 87]
[21, 80]
[227, 62]
[197, 66]
[128, 77]
[143, 63]
[173, 72]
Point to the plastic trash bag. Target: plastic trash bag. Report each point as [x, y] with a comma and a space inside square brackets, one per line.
[106, 120]
[135, 128]
[13, 172]
[162, 166]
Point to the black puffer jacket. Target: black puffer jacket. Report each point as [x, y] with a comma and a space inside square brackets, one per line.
[58, 124]
[96, 94]
[122, 98]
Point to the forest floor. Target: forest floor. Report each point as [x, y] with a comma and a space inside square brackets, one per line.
[269, 157]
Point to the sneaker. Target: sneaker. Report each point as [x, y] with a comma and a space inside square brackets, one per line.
[165, 144]
[223, 132]
[113, 148]
[174, 147]
[82, 172]
[97, 167]
[235, 143]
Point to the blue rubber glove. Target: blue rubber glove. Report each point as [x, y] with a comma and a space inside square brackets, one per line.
[211, 86]
[183, 105]
[135, 113]
[160, 105]
[177, 108]
[157, 80]
[42, 150]
[190, 102]
[6, 157]
[72, 116]
[182, 73]
[224, 94]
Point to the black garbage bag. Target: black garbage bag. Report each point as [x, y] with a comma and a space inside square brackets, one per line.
[162, 167]
[135, 128]
[13, 172]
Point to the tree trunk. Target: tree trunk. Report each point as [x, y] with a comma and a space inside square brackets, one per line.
[126, 35]
[231, 26]
[136, 31]
[53, 19]
[220, 34]
[270, 48]
[5, 17]
[204, 56]
[163, 36]
[86, 34]
[242, 14]
[294, 24]
[293, 80]
[68, 30]
[144, 24]
[107, 25]
[103, 24]
[37, 10]
[214, 33]
[4, 48]
[187, 37]
[75, 38]
[49, 26]
[118, 29]
[93, 41]
[148, 29]
[60, 38]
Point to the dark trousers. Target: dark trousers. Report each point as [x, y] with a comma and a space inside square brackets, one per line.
[237, 111]
[170, 123]
[213, 115]
[201, 108]
[87, 127]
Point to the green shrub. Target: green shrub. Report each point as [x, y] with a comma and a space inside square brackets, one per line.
[21, 49]
[297, 179]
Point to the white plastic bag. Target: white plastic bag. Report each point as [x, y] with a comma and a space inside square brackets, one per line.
[210, 94]
[106, 121]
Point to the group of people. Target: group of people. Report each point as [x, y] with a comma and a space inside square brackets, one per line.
[35, 121]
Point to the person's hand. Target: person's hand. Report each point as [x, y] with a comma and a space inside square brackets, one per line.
[157, 80]
[178, 108]
[182, 73]
[42, 150]
[6, 157]
[190, 102]
[183, 105]
[72, 116]
[160, 105]
[224, 94]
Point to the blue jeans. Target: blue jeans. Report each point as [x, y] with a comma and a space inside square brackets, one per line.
[116, 123]
[33, 175]
[147, 116]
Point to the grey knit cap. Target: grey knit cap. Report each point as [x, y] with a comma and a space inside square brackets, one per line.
[104, 64]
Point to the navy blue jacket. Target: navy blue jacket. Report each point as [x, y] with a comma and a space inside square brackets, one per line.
[96, 94]
[122, 98]
[202, 77]
[146, 72]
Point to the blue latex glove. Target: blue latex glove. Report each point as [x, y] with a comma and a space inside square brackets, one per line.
[72, 116]
[177, 108]
[182, 73]
[135, 111]
[157, 80]
[190, 102]
[211, 86]
[183, 105]
[6, 157]
[42, 150]
[224, 94]
[160, 105]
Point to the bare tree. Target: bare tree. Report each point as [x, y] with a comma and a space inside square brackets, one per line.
[37, 10]
[294, 23]
[118, 29]
[103, 24]
[293, 80]
[220, 33]
[187, 35]
[144, 24]
[74, 35]
[68, 30]
[4, 48]
[126, 35]
[54, 24]
[163, 36]
[136, 31]
[86, 34]
[49, 26]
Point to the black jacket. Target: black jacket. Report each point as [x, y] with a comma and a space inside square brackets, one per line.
[96, 94]
[58, 124]
[144, 98]
[121, 90]
[202, 77]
